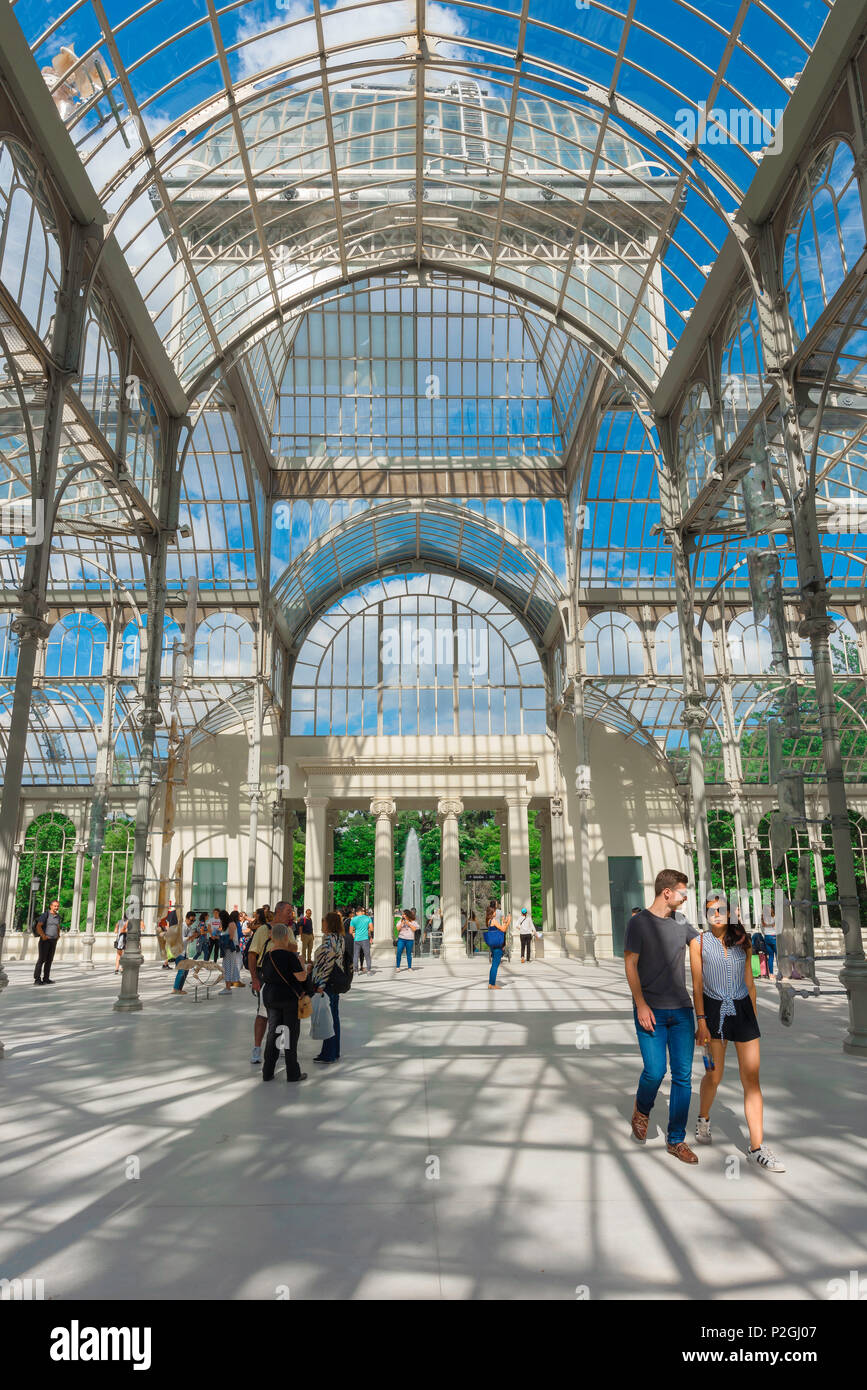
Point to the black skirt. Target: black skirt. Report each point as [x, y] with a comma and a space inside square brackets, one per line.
[741, 1026]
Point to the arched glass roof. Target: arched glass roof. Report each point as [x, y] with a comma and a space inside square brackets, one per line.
[589, 159]
[397, 537]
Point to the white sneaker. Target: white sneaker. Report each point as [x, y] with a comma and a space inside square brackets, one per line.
[763, 1158]
[256, 1056]
[702, 1131]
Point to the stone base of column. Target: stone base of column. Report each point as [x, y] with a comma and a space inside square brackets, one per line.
[86, 959]
[853, 978]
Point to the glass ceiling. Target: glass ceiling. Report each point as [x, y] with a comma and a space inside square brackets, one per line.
[552, 150]
[395, 535]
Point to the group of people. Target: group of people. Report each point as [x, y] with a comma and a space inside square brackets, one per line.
[668, 1024]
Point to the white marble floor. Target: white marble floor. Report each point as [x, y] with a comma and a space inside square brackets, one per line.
[469, 1145]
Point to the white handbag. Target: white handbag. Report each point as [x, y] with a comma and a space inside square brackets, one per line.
[321, 1022]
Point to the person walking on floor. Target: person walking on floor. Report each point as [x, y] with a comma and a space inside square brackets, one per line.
[332, 972]
[305, 931]
[284, 979]
[120, 932]
[230, 951]
[406, 937]
[653, 954]
[495, 937]
[259, 946]
[526, 931]
[724, 992]
[47, 928]
[362, 934]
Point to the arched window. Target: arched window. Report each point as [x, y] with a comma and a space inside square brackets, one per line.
[143, 438]
[100, 385]
[613, 646]
[29, 250]
[131, 652]
[8, 646]
[749, 645]
[224, 647]
[742, 369]
[418, 656]
[76, 646]
[844, 646]
[695, 442]
[825, 235]
[47, 861]
[667, 649]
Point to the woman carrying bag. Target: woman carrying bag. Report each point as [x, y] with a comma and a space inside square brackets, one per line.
[284, 982]
[120, 932]
[332, 967]
[230, 951]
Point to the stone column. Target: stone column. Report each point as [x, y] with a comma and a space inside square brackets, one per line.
[383, 874]
[450, 876]
[314, 858]
[519, 854]
[504, 892]
[817, 849]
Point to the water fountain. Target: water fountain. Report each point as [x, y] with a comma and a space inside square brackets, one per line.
[411, 883]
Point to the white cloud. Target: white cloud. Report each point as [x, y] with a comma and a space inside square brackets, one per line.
[369, 27]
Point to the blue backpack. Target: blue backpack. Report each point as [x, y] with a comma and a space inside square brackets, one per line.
[495, 938]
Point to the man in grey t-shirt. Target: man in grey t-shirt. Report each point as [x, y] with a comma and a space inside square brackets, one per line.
[47, 927]
[654, 956]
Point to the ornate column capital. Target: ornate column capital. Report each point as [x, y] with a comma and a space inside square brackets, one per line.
[555, 806]
[383, 808]
[517, 799]
[315, 803]
[28, 628]
[449, 807]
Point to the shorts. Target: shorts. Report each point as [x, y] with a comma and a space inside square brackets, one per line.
[742, 1026]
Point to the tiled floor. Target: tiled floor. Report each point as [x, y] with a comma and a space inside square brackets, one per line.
[469, 1145]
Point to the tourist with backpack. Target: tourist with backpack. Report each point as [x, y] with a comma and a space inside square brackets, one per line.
[230, 950]
[332, 972]
[495, 937]
[47, 928]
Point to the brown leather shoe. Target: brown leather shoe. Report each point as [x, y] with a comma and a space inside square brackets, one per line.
[683, 1152]
[639, 1125]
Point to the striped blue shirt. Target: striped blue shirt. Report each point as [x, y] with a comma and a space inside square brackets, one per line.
[723, 976]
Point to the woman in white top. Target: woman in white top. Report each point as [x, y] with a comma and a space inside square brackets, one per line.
[724, 994]
[526, 931]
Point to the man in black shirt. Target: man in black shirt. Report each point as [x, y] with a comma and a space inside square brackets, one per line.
[654, 949]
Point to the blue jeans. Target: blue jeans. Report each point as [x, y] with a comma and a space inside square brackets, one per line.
[675, 1030]
[181, 977]
[331, 1046]
[771, 952]
[402, 946]
[496, 957]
